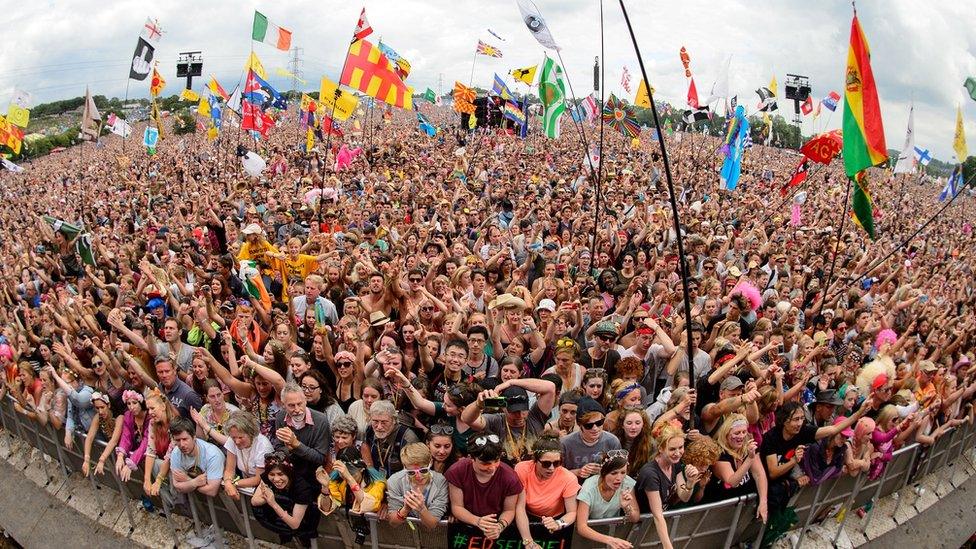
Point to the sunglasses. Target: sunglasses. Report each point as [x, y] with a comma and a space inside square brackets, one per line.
[343, 364]
[439, 429]
[414, 279]
[565, 343]
[483, 440]
[421, 471]
[427, 309]
[310, 388]
[616, 453]
[547, 464]
[596, 371]
[605, 337]
[592, 424]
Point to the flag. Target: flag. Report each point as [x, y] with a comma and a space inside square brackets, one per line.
[685, 61]
[799, 174]
[369, 71]
[500, 89]
[694, 115]
[488, 49]
[693, 95]
[862, 208]
[807, 107]
[953, 185]
[773, 86]
[733, 147]
[217, 89]
[620, 117]
[970, 85]
[426, 126]
[463, 98]
[536, 25]
[589, 105]
[265, 31]
[234, 102]
[823, 148]
[150, 137]
[118, 126]
[430, 96]
[552, 93]
[643, 98]
[495, 34]
[400, 65]
[216, 116]
[10, 166]
[253, 118]
[720, 88]
[625, 80]
[830, 101]
[89, 116]
[309, 139]
[767, 100]
[513, 113]
[156, 117]
[864, 140]
[157, 83]
[11, 135]
[254, 64]
[959, 141]
[906, 158]
[331, 97]
[203, 108]
[472, 121]
[187, 94]
[259, 92]
[141, 60]
[18, 116]
[816, 111]
[922, 156]
[151, 31]
[526, 75]
[362, 27]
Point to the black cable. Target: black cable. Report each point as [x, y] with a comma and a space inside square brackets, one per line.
[598, 182]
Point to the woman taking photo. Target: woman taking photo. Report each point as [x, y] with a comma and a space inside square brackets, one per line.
[738, 470]
[284, 503]
[607, 495]
[417, 490]
[246, 450]
[550, 491]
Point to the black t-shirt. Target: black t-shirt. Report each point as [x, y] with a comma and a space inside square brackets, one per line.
[299, 492]
[608, 362]
[717, 489]
[773, 443]
[652, 479]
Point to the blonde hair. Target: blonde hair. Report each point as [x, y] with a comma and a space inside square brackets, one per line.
[665, 433]
[415, 453]
[722, 435]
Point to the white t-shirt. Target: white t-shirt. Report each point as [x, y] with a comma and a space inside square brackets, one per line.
[250, 459]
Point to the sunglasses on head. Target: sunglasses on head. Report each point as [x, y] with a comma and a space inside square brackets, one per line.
[592, 424]
[565, 343]
[439, 429]
[615, 454]
[483, 440]
[550, 464]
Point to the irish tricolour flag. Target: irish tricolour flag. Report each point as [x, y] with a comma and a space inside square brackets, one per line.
[269, 33]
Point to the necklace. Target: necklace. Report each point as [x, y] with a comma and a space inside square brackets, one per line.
[519, 448]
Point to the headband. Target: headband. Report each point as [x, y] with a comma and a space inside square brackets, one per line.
[129, 394]
[623, 392]
[738, 423]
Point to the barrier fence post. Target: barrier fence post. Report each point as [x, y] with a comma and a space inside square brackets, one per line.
[734, 525]
[218, 531]
[126, 500]
[858, 484]
[374, 538]
[813, 507]
[245, 510]
[57, 447]
[874, 498]
[908, 475]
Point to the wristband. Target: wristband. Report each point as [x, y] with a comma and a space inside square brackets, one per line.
[354, 488]
[561, 523]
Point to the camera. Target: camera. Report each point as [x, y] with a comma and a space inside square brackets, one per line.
[495, 404]
[359, 528]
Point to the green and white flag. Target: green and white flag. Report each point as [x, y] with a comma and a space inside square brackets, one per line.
[552, 92]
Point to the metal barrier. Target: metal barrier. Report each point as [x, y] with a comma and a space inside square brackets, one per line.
[720, 524]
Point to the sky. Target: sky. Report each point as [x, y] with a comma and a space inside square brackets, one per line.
[921, 51]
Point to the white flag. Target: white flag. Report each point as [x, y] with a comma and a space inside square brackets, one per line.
[536, 25]
[10, 166]
[118, 126]
[906, 158]
[720, 89]
[89, 116]
[22, 99]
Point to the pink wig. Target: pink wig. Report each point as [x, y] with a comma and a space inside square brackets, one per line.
[865, 426]
[749, 292]
[885, 336]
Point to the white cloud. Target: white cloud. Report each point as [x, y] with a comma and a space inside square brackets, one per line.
[920, 50]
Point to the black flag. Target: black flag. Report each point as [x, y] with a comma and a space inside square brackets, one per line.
[141, 60]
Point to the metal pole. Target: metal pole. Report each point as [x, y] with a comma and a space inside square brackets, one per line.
[674, 203]
[836, 250]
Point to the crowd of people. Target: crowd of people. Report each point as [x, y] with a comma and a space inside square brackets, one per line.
[449, 328]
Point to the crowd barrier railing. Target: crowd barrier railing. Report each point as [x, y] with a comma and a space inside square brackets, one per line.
[720, 524]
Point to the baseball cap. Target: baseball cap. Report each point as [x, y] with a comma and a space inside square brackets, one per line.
[517, 398]
[846, 432]
[547, 305]
[731, 383]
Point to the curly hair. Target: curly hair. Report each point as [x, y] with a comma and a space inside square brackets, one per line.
[701, 452]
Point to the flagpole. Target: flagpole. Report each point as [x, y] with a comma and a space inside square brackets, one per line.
[836, 250]
[786, 198]
[473, 60]
[685, 274]
[328, 137]
[124, 101]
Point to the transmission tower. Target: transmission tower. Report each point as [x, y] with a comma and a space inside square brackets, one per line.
[294, 65]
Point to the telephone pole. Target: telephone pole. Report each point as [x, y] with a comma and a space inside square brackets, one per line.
[440, 83]
[294, 65]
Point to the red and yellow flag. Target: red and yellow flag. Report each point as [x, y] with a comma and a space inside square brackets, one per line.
[464, 98]
[370, 72]
[864, 139]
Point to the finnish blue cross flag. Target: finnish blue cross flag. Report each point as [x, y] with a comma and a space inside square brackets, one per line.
[953, 186]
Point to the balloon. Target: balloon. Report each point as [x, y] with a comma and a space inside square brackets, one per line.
[253, 164]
